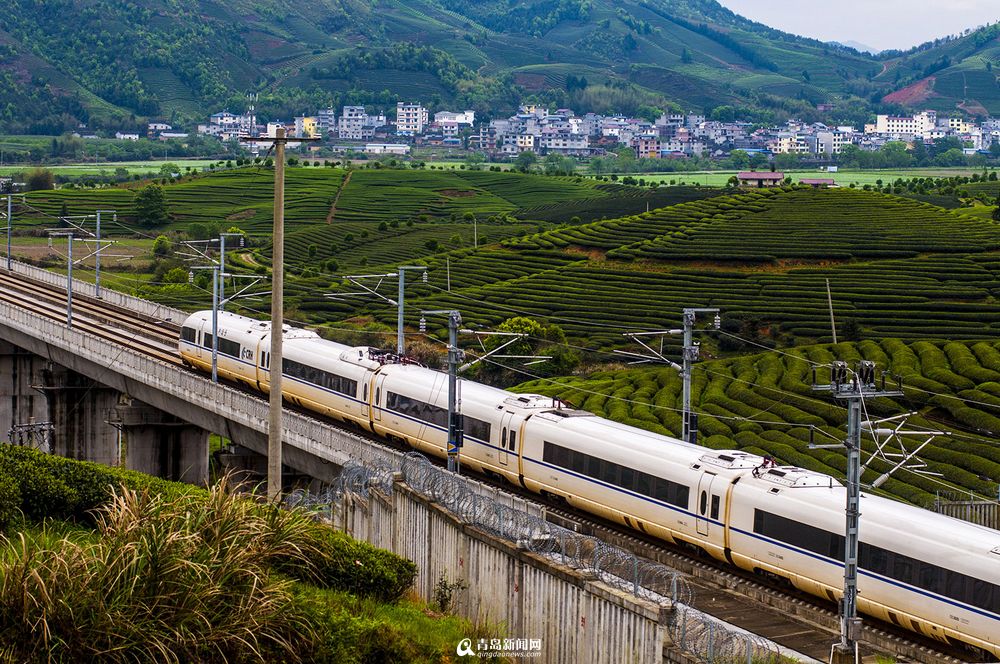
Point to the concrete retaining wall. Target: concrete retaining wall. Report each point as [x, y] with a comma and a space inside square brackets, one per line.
[577, 618]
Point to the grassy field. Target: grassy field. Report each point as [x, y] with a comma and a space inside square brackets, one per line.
[765, 404]
[109, 168]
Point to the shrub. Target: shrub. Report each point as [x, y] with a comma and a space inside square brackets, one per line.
[10, 501]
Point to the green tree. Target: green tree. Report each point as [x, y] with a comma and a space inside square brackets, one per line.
[538, 340]
[38, 179]
[162, 246]
[474, 160]
[686, 56]
[525, 161]
[996, 210]
[150, 206]
[177, 275]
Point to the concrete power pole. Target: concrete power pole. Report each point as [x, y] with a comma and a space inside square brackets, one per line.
[275, 365]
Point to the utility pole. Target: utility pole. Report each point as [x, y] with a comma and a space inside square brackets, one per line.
[400, 334]
[10, 225]
[455, 356]
[97, 254]
[69, 274]
[689, 355]
[853, 387]
[222, 266]
[276, 366]
[216, 277]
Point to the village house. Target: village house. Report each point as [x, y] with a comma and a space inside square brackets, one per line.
[763, 180]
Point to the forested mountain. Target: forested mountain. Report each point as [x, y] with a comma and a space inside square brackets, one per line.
[116, 62]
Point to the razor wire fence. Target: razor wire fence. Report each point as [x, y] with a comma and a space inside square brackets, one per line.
[703, 637]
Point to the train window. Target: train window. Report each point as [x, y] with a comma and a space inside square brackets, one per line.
[189, 334]
[229, 347]
[628, 478]
[206, 340]
[903, 569]
[378, 395]
[703, 503]
[503, 437]
[715, 507]
[513, 440]
[611, 472]
[799, 534]
[474, 428]
[265, 360]
[365, 397]
[595, 466]
[416, 409]
[644, 484]
[985, 595]
[318, 377]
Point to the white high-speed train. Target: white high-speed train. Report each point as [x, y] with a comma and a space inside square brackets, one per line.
[923, 571]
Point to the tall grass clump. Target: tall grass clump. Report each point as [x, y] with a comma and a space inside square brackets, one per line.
[167, 580]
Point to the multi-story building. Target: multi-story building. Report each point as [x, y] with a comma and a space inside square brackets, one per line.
[915, 125]
[307, 127]
[565, 143]
[411, 118]
[464, 118]
[356, 124]
[648, 146]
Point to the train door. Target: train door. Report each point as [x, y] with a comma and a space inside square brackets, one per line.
[508, 438]
[707, 506]
[377, 397]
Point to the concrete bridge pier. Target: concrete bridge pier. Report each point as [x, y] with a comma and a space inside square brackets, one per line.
[158, 443]
[78, 408]
[20, 402]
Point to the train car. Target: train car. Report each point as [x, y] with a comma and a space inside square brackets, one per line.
[410, 404]
[925, 572]
[930, 573]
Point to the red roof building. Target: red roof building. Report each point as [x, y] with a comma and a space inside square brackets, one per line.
[760, 180]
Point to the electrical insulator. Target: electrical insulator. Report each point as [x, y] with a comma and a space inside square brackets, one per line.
[718, 321]
[241, 241]
[423, 277]
[839, 373]
[190, 277]
[866, 372]
[423, 324]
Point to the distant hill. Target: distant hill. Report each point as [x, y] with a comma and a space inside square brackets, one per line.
[949, 75]
[858, 46]
[112, 63]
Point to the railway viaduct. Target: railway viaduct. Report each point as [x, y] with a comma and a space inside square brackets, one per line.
[114, 404]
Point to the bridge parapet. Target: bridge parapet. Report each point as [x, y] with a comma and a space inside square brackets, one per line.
[313, 447]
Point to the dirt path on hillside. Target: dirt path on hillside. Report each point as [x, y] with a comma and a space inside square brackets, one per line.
[333, 206]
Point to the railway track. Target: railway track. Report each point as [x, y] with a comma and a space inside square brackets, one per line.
[795, 620]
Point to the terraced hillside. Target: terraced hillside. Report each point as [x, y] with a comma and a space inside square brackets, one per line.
[897, 267]
[245, 196]
[764, 404]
